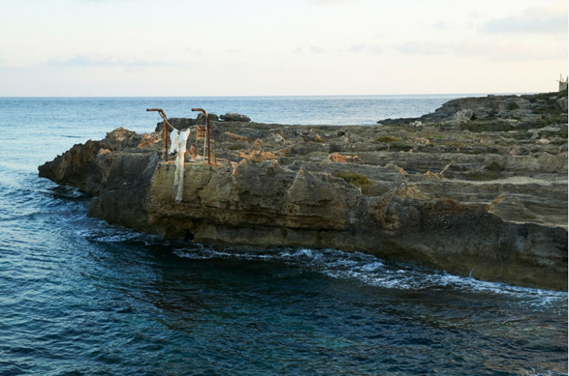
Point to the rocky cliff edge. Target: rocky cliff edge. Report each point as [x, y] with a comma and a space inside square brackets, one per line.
[491, 204]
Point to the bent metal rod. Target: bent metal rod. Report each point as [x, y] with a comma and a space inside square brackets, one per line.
[166, 125]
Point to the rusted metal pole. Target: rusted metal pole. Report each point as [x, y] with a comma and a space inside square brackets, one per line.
[165, 138]
[165, 124]
[207, 132]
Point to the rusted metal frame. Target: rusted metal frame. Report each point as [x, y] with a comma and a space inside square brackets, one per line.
[207, 133]
[165, 124]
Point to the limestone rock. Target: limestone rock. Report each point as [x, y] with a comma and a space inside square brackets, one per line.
[201, 118]
[464, 115]
[178, 123]
[235, 117]
[526, 108]
[484, 197]
[562, 102]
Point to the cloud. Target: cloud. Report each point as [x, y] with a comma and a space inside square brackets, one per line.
[534, 20]
[441, 25]
[311, 49]
[190, 51]
[328, 2]
[354, 48]
[316, 50]
[497, 50]
[370, 48]
[87, 61]
[427, 48]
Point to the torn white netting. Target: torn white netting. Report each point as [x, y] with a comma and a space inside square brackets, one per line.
[178, 144]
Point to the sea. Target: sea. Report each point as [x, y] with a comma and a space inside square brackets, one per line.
[81, 297]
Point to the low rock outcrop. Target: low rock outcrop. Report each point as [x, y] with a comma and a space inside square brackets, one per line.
[482, 202]
[520, 111]
[232, 116]
[183, 123]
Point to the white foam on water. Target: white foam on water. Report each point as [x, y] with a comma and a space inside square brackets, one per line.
[356, 266]
[544, 373]
[100, 232]
[370, 270]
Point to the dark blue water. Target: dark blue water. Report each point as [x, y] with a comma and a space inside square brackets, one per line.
[80, 297]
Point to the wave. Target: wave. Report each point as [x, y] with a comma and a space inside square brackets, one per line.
[373, 271]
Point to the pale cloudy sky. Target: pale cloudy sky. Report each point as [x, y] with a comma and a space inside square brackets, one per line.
[274, 47]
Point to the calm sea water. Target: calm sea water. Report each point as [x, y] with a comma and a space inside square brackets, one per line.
[80, 297]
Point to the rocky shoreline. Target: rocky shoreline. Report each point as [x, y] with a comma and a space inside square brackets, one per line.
[477, 188]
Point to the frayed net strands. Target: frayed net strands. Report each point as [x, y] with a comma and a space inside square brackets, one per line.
[178, 141]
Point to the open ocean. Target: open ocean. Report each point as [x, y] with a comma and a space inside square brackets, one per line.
[81, 297]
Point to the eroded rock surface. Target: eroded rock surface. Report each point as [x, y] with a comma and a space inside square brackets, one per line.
[496, 110]
[487, 201]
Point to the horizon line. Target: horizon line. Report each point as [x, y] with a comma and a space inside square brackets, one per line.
[276, 96]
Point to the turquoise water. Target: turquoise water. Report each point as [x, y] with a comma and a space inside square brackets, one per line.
[80, 297]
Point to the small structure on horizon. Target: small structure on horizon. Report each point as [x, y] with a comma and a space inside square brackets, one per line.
[563, 83]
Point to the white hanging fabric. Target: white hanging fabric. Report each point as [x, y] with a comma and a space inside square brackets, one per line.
[178, 141]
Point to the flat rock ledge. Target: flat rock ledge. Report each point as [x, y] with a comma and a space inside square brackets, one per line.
[343, 188]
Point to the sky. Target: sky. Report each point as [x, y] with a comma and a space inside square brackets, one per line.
[272, 47]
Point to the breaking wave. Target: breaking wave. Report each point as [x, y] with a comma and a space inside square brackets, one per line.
[371, 270]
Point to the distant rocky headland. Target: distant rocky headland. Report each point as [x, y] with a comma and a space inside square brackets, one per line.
[479, 187]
